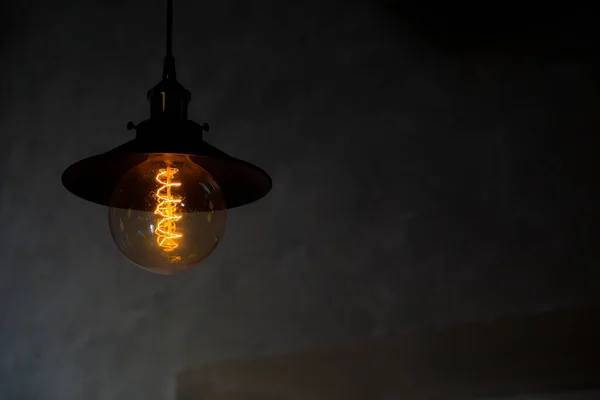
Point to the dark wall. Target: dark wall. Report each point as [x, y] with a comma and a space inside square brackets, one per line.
[429, 166]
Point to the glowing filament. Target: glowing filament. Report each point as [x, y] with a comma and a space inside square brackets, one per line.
[168, 210]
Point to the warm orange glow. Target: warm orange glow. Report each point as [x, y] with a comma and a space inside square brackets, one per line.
[168, 209]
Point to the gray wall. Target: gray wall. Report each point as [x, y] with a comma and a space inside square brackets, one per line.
[417, 180]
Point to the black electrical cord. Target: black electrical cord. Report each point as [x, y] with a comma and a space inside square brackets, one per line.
[169, 27]
[169, 64]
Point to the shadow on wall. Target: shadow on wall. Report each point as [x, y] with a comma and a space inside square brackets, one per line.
[515, 28]
[225, 395]
[551, 352]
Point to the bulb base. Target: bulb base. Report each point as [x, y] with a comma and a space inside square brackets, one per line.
[169, 100]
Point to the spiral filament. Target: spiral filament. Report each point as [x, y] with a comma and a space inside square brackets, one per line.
[168, 210]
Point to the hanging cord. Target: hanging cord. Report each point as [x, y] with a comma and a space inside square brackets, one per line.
[169, 28]
[169, 64]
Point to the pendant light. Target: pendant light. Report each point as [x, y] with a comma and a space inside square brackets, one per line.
[167, 189]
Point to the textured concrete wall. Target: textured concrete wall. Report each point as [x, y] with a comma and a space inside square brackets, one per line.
[417, 180]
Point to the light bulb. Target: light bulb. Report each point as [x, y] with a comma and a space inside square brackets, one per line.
[167, 214]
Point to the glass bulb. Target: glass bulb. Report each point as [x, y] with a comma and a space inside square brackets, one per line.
[167, 214]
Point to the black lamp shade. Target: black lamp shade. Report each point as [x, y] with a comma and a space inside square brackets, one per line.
[95, 178]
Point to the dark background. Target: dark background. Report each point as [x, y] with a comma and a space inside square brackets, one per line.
[431, 165]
